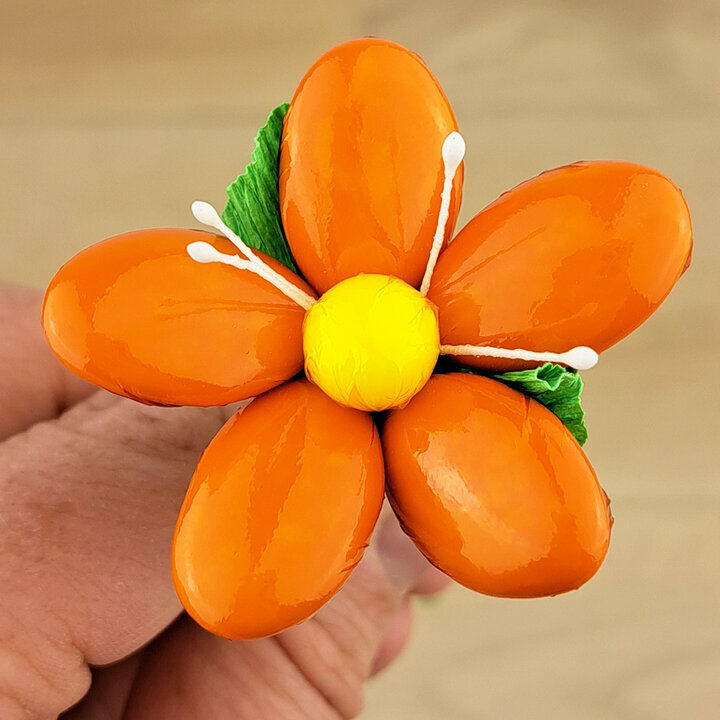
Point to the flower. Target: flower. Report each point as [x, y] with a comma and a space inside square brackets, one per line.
[490, 484]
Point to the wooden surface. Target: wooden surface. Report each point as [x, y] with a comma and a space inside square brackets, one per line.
[114, 116]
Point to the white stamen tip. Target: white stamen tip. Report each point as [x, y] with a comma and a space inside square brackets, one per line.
[453, 152]
[205, 213]
[581, 358]
[203, 252]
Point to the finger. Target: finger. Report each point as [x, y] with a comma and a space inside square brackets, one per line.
[404, 564]
[432, 582]
[34, 386]
[87, 507]
[190, 674]
[109, 693]
[314, 670]
[395, 640]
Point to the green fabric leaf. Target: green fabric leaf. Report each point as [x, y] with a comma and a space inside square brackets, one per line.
[557, 388]
[253, 206]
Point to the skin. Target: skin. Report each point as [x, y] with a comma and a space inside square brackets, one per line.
[90, 486]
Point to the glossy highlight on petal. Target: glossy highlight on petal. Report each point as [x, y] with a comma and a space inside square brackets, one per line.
[361, 169]
[580, 255]
[278, 513]
[136, 315]
[494, 490]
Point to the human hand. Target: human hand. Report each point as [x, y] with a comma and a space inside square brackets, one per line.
[90, 486]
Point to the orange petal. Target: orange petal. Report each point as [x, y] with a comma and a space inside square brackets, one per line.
[580, 255]
[137, 316]
[279, 512]
[360, 164]
[494, 490]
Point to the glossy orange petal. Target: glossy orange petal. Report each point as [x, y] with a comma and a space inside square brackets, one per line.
[137, 316]
[278, 513]
[361, 169]
[494, 490]
[580, 255]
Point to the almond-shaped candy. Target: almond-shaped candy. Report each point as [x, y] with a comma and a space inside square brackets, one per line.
[494, 490]
[361, 169]
[278, 513]
[578, 256]
[136, 315]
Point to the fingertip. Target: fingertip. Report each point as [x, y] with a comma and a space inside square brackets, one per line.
[403, 563]
[431, 582]
[395, 639]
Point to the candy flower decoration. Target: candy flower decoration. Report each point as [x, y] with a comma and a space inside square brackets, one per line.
[444, 374]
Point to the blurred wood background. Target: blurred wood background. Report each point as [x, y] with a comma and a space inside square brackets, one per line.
[114, 116]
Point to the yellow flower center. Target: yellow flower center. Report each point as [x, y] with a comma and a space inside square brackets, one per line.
[371, 342]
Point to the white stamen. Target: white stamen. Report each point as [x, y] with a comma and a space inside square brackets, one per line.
[203, 252]
[453, 151]
[206, 214]
[580, 358]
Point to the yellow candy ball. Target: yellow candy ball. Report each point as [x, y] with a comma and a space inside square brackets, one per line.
[371, 342]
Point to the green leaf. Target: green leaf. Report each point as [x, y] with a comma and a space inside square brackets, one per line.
[253, 207]
[557, 388]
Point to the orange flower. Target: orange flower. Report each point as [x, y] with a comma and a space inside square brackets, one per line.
[490, 484]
